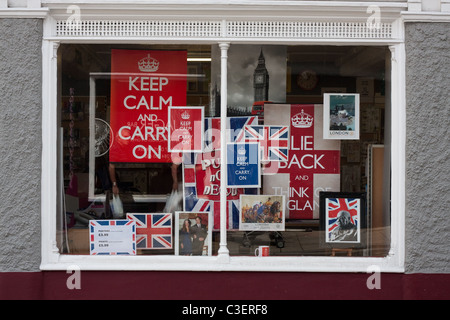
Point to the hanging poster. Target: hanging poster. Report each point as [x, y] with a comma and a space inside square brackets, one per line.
[193, 233]
[243, 165]
[313, 164]
[112, 237]
[341, 116]
[153, 230]
[144, 84]
[262, 213]
[186, 129]
[273, 141]
[202, 189]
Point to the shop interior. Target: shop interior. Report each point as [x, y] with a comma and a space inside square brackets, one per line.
[305, 75]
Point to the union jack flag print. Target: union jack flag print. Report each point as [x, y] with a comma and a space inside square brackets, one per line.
[273, 141]
[153, 230]
[336, 205]
[235, 132]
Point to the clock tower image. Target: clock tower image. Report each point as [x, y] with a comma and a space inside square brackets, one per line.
[261, 80]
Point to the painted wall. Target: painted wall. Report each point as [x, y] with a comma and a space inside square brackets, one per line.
[428, 166]
[20, 143]
[427, 147]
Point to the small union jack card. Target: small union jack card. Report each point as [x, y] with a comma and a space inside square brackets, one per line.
[153, 230]
[273, 141]
[112, 237]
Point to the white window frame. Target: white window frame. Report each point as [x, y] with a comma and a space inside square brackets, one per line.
[393, 262]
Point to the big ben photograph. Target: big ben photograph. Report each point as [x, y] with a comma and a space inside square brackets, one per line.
[261, 80]
[255, 73]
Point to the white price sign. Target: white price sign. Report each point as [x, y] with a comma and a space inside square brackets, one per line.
[112, 237]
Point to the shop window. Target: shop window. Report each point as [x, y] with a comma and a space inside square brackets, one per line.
[308, 172]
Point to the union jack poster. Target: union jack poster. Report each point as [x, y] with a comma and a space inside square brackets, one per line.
[273, 141]
[153, 230]
[342, 216]
[235, 132]
[112, 237]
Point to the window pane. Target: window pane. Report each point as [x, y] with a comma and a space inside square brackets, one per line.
[114, 102]
[285, 87]
[316, 113]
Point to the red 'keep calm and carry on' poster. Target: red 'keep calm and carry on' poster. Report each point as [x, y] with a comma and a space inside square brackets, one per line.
[144, 84]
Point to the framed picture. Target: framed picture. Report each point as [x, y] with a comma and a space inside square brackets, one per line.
[343, 219]
[193, 233]
[153, 230]
[262, 213]
[341, 116]
[186, 129]
[365, 87]
[243, 165]
[273, 141]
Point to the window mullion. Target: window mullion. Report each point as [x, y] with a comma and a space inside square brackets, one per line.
[223, 249]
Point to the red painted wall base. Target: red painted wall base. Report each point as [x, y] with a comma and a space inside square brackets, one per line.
[98, 285]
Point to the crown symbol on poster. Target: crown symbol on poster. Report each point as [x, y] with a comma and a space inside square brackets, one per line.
[302, 120]
[185, 115]
[241, 151]
[148, 64]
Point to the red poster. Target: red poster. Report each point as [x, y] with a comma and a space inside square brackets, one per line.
[313, 164]
[202, 189]
[144, 84]
[186, 128]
